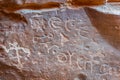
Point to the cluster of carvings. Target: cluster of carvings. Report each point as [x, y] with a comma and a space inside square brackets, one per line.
[66, 33]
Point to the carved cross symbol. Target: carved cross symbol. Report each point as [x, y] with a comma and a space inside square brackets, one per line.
[16, 47]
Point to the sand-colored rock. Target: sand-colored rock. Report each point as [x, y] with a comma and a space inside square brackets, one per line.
[60, 44]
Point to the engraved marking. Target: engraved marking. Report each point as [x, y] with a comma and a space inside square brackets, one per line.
[92, 62]
[62, 58]
[43, 48]
[80, 64]
[54, 49]
[43, 39]
[55, 22]
[70, 24]
[37, 22]
[65, 57]
[15, 47]
[63, 39]
[70, 57]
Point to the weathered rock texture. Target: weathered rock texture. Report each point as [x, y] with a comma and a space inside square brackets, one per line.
[62, 44]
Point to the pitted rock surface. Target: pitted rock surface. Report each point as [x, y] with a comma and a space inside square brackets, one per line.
[61, 44]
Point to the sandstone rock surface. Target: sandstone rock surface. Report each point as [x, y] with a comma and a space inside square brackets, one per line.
[60, 44]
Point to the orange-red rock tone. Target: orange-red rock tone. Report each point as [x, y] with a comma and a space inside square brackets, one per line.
[60, 43]
[86, 2]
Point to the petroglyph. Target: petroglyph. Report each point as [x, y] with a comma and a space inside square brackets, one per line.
[43, 39]
[54, 49]
[70, 54]
[42, 34]
[37, 22]
[83, 62]
[61, 44]
[55, 22]
[63, 39]
[65, 57]
[80, 64]
[15, 47]
[70, 24]
[62, 58]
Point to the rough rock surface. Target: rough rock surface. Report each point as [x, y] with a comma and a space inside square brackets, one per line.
[62, 44]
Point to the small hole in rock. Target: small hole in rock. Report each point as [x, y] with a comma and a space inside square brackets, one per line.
[82, 77]
[1, 49]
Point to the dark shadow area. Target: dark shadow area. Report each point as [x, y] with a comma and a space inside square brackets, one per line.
[9, 72]
[82, 77]
[108, 25]
[12, 16]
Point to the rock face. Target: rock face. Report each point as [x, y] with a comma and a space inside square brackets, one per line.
[61, 44]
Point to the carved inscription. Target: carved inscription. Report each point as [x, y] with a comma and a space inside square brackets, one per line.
[54, 25]
[70, 24]
[55, 22]
[15, 48]
[41, 30]
[54, 34]
[37, 22]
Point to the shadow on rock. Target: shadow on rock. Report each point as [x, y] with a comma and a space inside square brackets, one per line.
[12, 16]
[108, 25]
